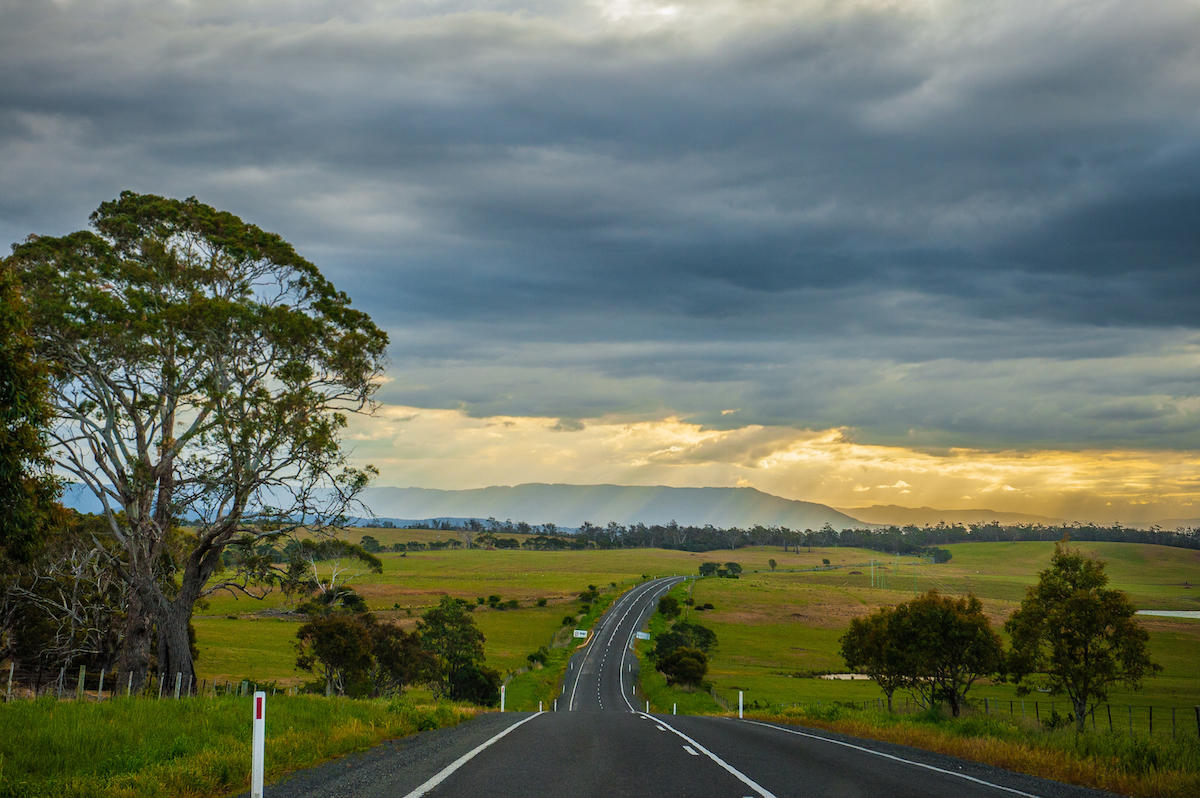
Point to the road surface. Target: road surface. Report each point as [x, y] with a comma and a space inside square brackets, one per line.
[599, 742]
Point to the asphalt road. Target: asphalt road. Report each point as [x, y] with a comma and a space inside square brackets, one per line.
[600, 743]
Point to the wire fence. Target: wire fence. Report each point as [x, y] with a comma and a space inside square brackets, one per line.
[105, 685]
[1146, 719]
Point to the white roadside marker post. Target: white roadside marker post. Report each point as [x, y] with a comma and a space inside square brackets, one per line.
[539, 706]
[673, 708]
[556, 705]
[258, 745]
[647, 707]
[501, 698]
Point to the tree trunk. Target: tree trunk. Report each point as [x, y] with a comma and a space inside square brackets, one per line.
[1080, 713]
[135, 643]
[889, 698]
[174, 642]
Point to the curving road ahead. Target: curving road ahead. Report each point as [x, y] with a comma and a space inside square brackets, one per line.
[600, 743]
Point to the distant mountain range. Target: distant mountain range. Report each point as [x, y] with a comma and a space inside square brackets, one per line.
[569, 506]
[887, 514]
[572, 505]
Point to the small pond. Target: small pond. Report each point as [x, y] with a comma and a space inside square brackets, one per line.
[1171, 613]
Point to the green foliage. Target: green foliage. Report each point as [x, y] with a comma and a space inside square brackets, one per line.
[27, 490]
[1074, 635]
[681, 653]
[359, 656]
[477, 684]
[685, 666]
[949, 644]
[934, 645]
[709, 568]
[873, 647]
[669, 606]
[939, 555]
[455, 645]
[338, 648]
[772, 564]
[207, 370]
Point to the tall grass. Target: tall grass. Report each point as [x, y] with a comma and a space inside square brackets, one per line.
[187, 748]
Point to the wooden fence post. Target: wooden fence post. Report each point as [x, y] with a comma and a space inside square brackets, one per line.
[79, 685]
[1109, 708]
[12, 665]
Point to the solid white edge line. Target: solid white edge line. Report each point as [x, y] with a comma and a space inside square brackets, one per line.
[739, 775]
[892, 757]
[445, 772]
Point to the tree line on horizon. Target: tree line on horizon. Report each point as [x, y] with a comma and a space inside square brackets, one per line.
[909, 539]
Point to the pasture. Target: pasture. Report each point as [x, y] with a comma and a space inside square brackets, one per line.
[777, 629]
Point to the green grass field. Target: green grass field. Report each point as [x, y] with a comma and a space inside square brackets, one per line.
[187, 748]
[776, 628]
[241, 637]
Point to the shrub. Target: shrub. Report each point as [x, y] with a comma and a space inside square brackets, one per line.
[685, 666]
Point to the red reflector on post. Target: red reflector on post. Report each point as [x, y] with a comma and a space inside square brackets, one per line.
[258, 702]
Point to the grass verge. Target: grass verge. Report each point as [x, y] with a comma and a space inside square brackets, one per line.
[191, 748]
[1130, 765]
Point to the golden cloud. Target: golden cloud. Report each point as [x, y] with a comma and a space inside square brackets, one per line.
[446, 448]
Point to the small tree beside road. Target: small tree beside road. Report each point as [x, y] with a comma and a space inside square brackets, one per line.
[1073, 635]
[936, 646]
[870, 646]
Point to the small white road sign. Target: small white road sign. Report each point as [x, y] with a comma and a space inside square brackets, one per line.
[643, 635]
[581, 633]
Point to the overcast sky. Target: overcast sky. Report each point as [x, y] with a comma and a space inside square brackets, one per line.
[913, 252]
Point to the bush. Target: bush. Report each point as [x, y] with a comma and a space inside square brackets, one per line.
[477, 684]
[568, 620]
[668, 606]
[685, 666]
[541, 602]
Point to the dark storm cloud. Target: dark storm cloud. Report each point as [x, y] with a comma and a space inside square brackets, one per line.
[836, 215]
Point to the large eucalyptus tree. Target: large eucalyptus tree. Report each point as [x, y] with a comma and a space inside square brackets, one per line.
[201, 375]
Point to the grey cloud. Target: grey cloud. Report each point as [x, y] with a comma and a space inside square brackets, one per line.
[567, 219]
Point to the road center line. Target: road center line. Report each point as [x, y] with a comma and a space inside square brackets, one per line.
[892, 757]
[628, 597]
[445, 772]
[739, 775]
